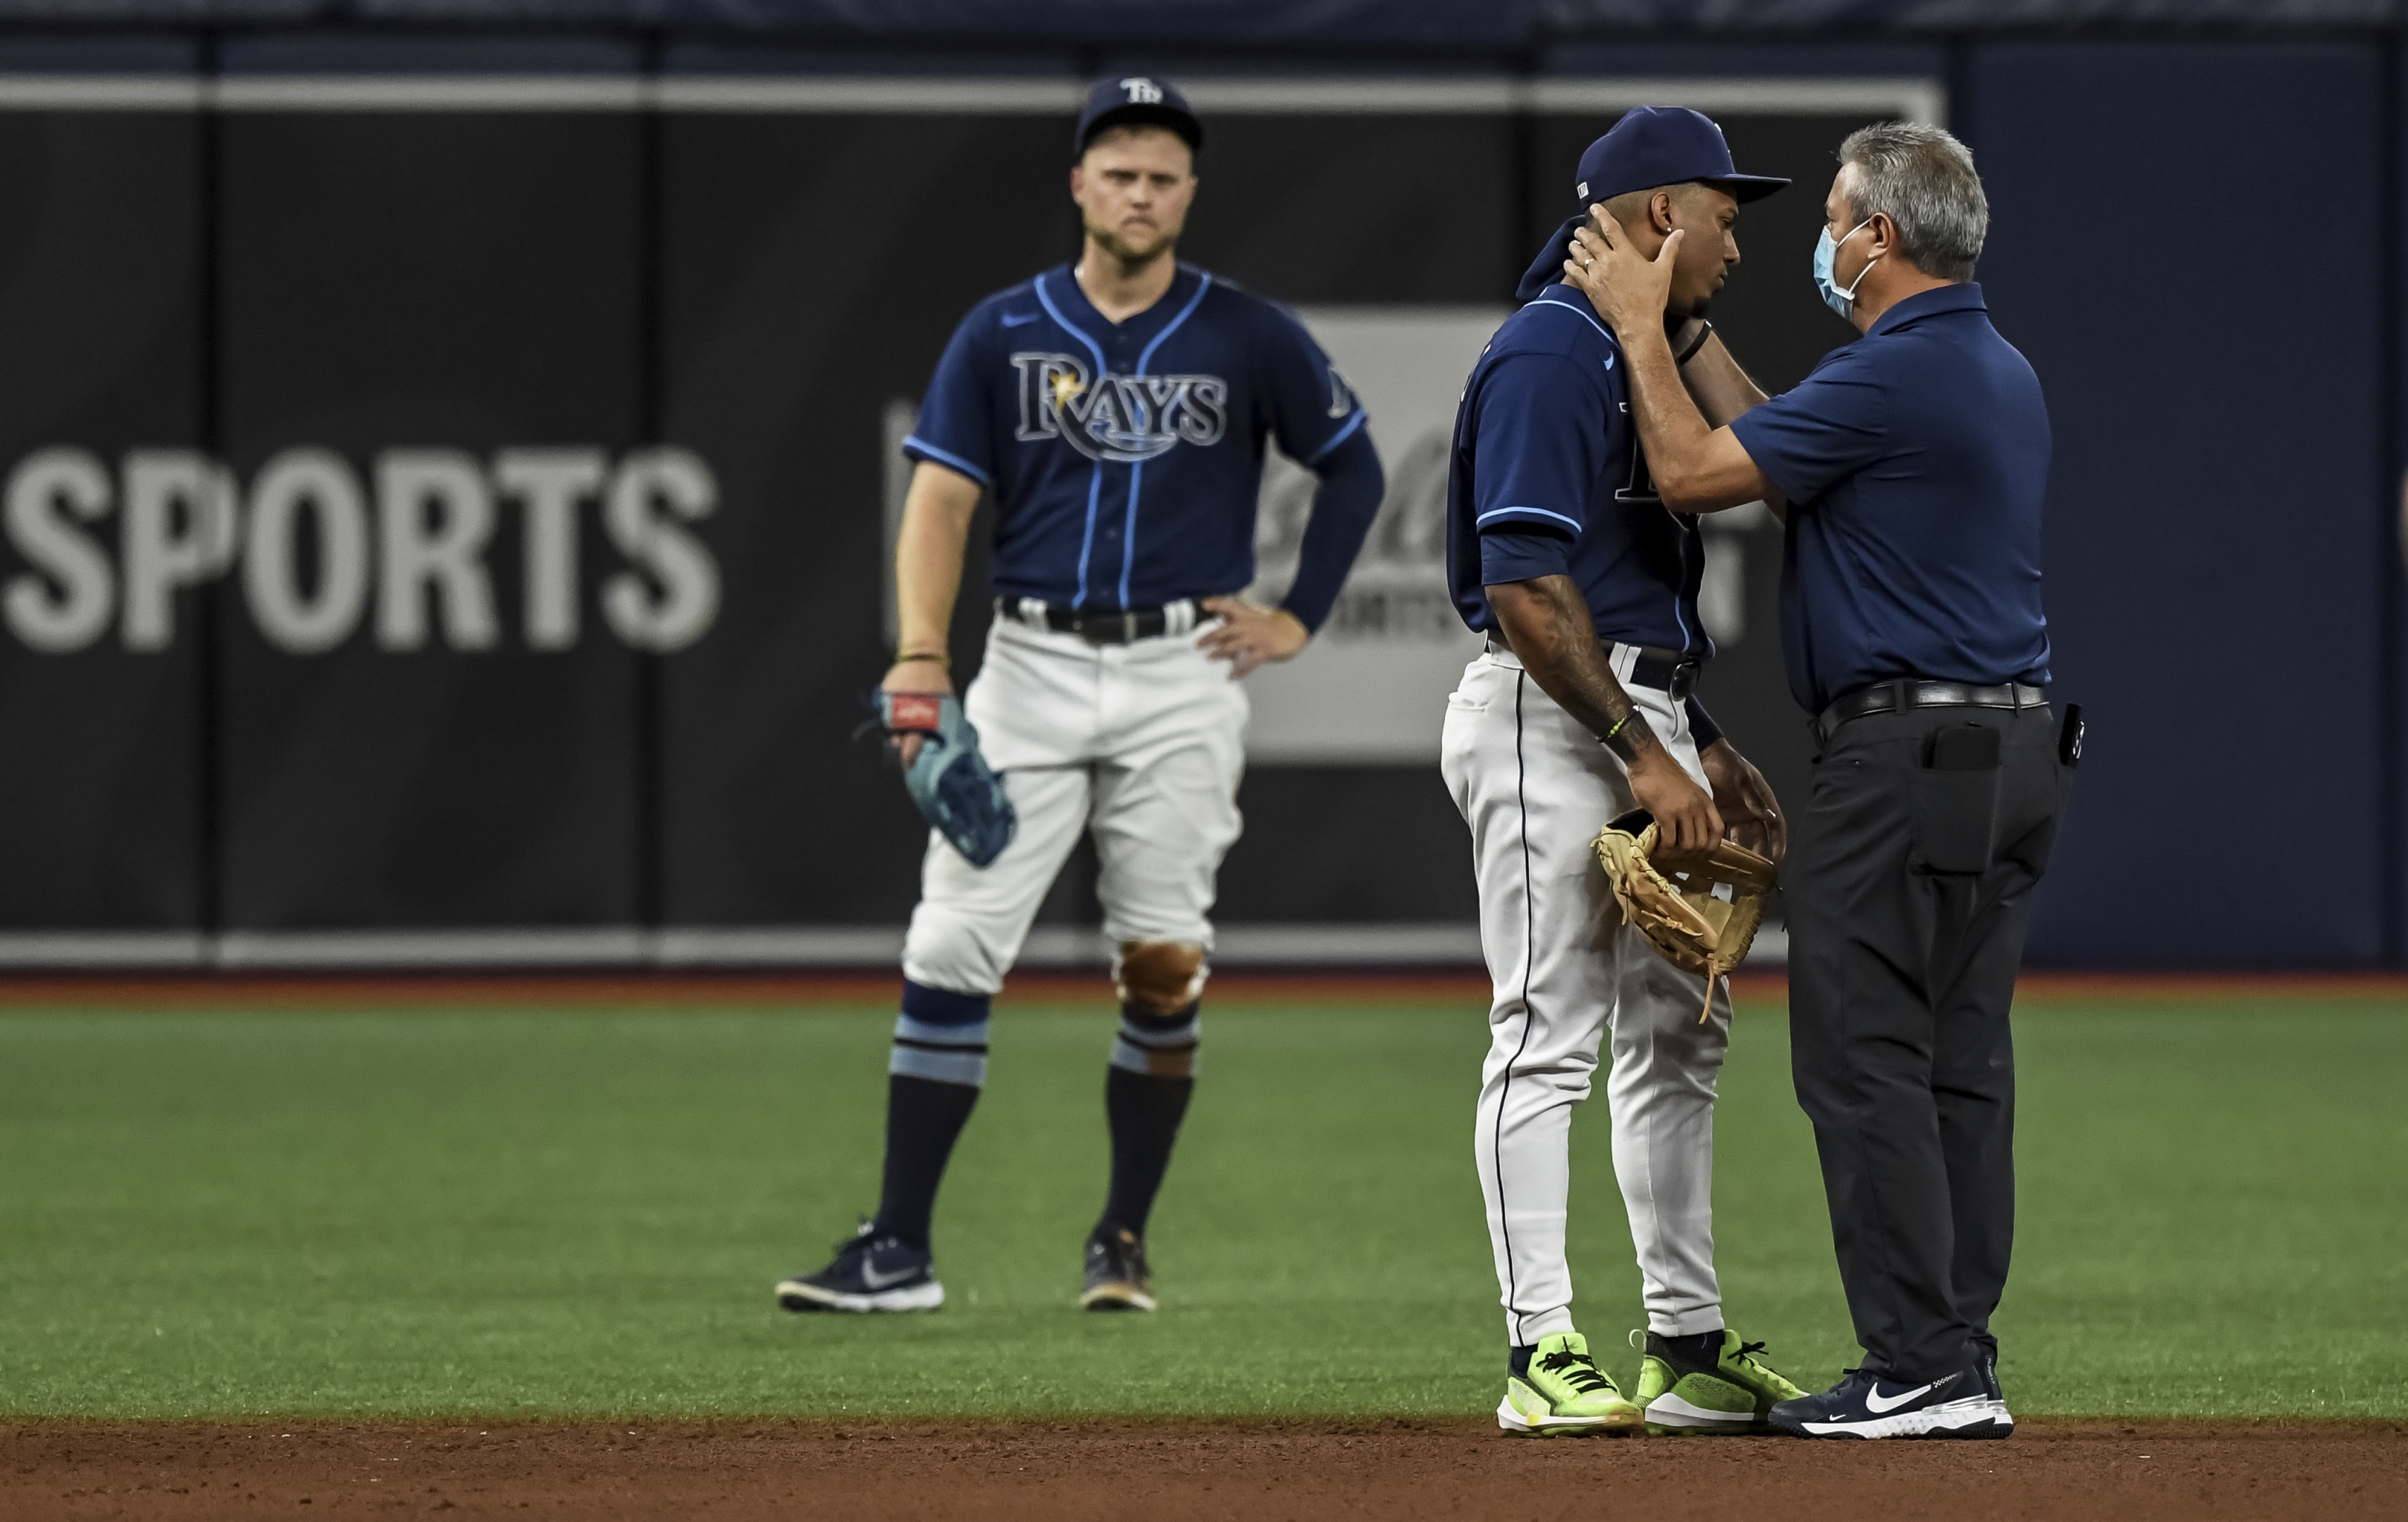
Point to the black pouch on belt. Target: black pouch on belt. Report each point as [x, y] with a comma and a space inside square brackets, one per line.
[1954, 799]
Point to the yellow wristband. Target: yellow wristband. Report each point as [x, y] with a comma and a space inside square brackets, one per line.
[903, 657]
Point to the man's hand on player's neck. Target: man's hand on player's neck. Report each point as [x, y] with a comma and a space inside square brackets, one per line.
[1696, 467]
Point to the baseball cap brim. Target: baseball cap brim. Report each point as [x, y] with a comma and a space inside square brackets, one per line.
[1746, 188]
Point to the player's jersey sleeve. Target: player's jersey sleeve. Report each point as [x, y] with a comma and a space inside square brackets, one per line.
[957, 419]
[1312, 408]
[1835, 423]
[1539, 449]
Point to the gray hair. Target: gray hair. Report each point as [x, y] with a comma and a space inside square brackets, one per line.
[1923, 180]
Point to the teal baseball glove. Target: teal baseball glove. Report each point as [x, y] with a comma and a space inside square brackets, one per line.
[954, 787]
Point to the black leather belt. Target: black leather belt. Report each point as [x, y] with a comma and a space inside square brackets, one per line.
[1667, 672]
[1115, 627]
[1913, 693]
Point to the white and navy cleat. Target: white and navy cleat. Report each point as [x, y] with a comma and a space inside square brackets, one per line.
[871, 1272]
[1865, 1405]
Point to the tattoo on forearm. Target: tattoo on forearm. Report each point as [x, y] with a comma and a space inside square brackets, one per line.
[1592, 694]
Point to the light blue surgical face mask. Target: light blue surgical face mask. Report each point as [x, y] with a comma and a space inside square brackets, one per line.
[1827, 248]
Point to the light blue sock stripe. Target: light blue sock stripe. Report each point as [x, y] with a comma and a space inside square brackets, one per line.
[965, 1067]
[1137, 1059]
[1178, 1035]
[1163, 1050]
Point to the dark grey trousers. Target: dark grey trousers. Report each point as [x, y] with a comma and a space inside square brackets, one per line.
[1905, 935]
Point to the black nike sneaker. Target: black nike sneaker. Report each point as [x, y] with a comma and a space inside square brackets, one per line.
[871, 1272]
[1117, 1277]
[1866, 1405]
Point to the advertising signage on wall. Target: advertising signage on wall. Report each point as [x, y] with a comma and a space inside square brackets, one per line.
[351, 600]
[1375, 688]
[321, 549]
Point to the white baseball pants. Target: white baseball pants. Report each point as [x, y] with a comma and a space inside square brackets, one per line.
[1536, 787]
[1143, 743]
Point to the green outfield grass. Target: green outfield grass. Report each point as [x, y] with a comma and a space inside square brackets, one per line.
[519, 1211]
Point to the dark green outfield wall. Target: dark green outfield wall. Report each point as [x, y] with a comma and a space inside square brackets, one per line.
[612, 743]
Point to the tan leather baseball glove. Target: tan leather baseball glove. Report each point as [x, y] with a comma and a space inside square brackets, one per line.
[1678, 911]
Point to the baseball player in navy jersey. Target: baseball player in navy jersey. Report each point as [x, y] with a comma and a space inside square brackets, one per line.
[1584, 707]
[1116, 408]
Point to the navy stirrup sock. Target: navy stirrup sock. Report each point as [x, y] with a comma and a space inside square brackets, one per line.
[1702, 1348]
[935, 1071]
[1146, 1090]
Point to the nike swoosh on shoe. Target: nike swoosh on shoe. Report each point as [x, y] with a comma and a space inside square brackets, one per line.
[1875, 1403]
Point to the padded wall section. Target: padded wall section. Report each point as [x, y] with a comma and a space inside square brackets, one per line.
[101, 819]
[1337, 843]
[1382, 211]
[444, 281]
[2212, 595]
[813, 268]
[1371, 210]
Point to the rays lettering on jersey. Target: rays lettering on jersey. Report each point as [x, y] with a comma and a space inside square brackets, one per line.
[1120, 419]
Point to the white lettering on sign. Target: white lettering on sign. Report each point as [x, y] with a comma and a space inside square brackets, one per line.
[64, 602]
[318, 483]
[550, 482]
[687, 598]
[179, 530]
[436, 512]
[315, 543]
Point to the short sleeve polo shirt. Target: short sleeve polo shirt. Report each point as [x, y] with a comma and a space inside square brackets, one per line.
[1915, 462]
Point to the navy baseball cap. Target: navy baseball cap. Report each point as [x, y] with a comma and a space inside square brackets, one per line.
[1664, 145]
[1136, 101]
[1650, 147]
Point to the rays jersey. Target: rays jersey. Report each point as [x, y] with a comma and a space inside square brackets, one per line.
[1547, 478]
[1126, 459]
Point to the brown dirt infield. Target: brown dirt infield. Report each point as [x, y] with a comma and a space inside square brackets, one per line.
[1172, 1471]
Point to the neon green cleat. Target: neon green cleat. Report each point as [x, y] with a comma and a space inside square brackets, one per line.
[1565, 1394]
[1732, 1395]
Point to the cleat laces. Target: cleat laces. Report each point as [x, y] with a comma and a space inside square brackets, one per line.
[864, 1238]
[1747, 1354]
[1578, 1370]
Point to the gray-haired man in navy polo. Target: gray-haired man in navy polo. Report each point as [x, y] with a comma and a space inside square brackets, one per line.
[1910, 468]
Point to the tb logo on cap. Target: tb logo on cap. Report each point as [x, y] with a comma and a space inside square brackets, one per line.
[1142, 91]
